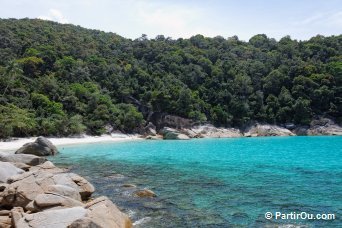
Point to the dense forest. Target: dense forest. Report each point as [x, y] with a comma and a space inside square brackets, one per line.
[58, 79]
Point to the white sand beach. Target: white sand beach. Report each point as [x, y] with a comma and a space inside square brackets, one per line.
[15, 144]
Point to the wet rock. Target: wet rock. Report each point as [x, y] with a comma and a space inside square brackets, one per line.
[145, 193]
[41, 147]
[128, 186]
[8, 170]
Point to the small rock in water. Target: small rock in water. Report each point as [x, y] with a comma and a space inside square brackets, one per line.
[145, 193]
[116, 176]
[128, 186]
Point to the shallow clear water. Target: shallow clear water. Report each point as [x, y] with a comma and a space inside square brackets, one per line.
[216, 182]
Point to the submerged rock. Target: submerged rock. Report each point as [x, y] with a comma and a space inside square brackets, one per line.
[41, 147]
[128, 186]
[145, 193]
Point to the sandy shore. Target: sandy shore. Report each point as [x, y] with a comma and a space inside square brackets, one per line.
[17, 143]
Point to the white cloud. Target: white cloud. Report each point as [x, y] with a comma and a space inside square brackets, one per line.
[171, 19]
[323, 19]
[55, 15]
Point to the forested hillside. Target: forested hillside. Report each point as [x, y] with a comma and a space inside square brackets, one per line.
[63, 79]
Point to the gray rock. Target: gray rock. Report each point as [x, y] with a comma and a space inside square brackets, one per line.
[24, 188]
[266, 130]
[64, 191]
[27, 159]
[150, 129]
[170, 133]
[53, 200]
[105, 214]
[41, 147]
[210, 131]
[324, 126]
[8, 170]
[52, 218]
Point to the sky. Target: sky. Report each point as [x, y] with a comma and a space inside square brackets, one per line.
[301, 19]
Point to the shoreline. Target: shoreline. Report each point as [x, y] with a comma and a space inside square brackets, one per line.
[13, 145]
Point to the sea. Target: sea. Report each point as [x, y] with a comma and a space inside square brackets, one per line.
[233, 182]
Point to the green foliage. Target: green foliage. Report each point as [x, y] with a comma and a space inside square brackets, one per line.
[70, 80]
[15, 121]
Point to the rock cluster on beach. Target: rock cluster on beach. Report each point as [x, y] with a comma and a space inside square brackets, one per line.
[321, 126]
[35, 193]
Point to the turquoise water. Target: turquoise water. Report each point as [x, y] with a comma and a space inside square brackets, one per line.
[217, 182]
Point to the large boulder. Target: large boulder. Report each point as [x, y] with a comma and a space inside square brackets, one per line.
[41, 147]
[64, 191]
[27, 159]
[150, 129]
[51, 200]
[8, 170]
[170, 133]
[105, 214]
[266, 130]
[59, 218]
[324, 126]
[24, 188]
[210, 131]
[99, 213]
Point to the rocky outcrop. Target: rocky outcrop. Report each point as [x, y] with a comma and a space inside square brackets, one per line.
[24, 188]
[170, 133]
[48, 196]
[100, 212]
[41, 147]
[150, 129]
[161, 120]
[324, 126]
[256, 130]
[8, 170]
[209, 131]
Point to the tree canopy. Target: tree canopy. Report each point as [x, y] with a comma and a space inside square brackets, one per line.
[58, 79]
